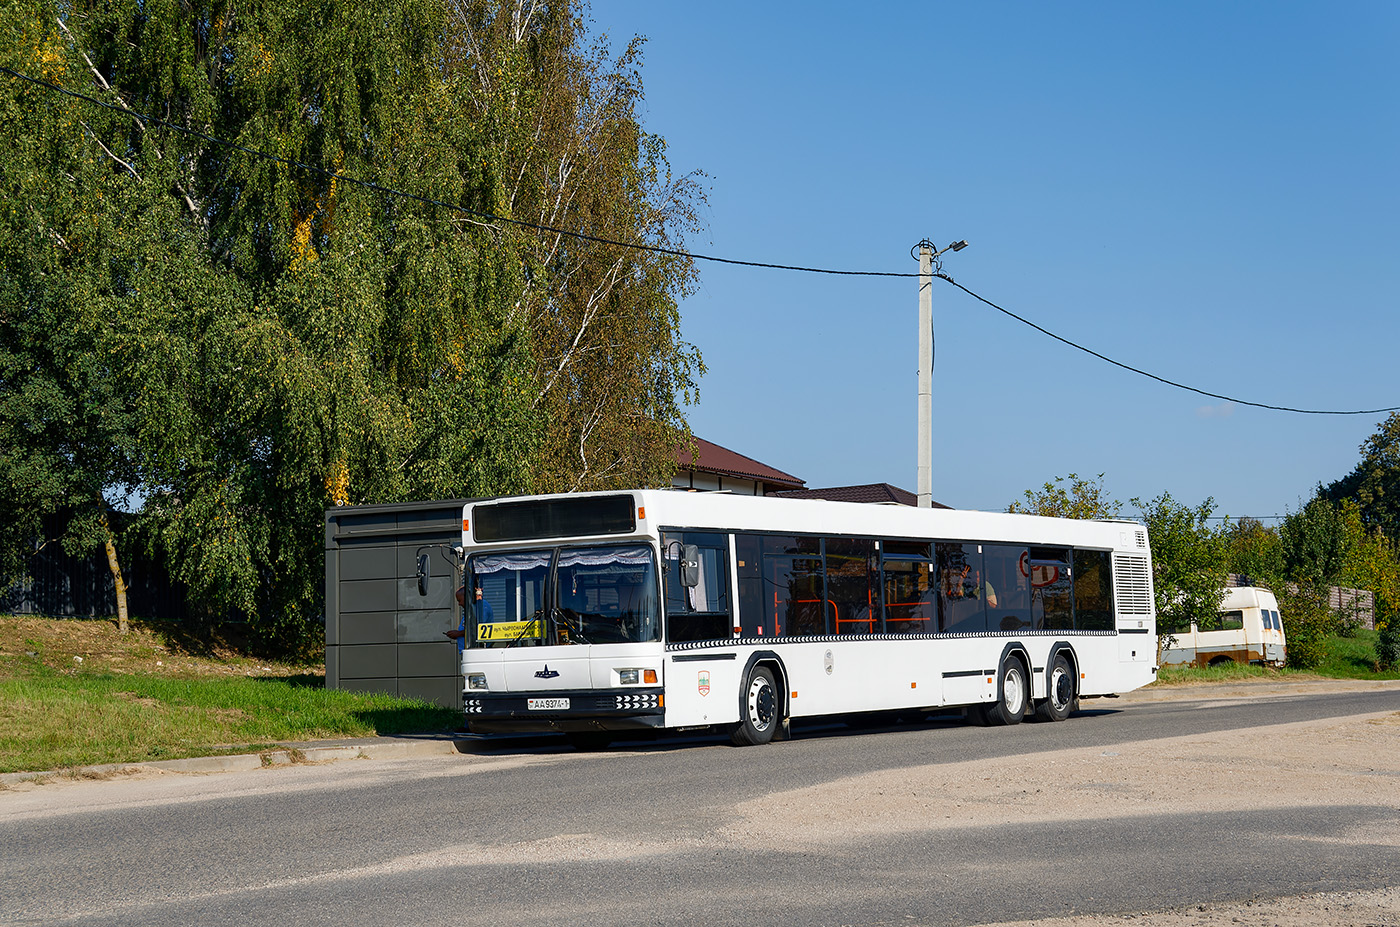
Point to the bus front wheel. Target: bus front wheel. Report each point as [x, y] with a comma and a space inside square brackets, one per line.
[1014, 693]
[758, 715]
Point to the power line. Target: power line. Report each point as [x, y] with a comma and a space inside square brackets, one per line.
[1241, 517]
[1153, 376]
[655, 249]
[480, 214]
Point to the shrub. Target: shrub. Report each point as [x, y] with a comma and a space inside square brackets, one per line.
[1307, 622]
[1388, 645]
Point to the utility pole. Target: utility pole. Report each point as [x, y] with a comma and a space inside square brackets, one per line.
[925, 374]
[927, 262]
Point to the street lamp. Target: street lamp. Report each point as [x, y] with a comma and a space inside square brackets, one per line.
[928, 258]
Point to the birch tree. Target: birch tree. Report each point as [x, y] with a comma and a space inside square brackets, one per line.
[611, 373]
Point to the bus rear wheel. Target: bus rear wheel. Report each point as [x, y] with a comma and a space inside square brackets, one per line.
[758, 715]
[1014, 693]
[1060, 698]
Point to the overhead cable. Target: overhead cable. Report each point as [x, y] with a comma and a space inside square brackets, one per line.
[1153, 376]
[655, 249]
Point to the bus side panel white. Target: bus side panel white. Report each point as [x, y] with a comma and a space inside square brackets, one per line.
[837, 677]
[702, 691]
[965, 667]
[1100, 671]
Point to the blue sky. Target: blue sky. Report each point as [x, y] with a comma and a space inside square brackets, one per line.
[1207, 191]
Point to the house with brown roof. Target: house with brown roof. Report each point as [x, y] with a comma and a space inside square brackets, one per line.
[715, 468]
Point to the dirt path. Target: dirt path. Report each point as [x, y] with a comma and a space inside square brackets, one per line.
[1350, 761]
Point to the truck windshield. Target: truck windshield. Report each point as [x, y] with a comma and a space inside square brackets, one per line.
[570, 595]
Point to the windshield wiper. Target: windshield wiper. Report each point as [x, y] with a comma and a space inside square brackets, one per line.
[529, 624]
[575, 627]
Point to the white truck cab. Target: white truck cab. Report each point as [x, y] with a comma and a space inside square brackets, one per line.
[1249, 631]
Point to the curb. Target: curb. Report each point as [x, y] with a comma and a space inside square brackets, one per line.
[1245, 690]
[376, 748]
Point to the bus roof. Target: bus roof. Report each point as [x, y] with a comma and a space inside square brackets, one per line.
[660, 509]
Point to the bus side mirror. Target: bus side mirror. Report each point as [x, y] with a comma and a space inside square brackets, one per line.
[690, 566]
[422, 574]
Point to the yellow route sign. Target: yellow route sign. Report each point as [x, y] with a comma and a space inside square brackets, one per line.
[509, 630]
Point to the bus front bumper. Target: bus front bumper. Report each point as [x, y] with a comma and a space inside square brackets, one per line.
[565, 710]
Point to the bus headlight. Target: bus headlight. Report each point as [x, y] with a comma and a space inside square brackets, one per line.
[476, 680]
[633, 676]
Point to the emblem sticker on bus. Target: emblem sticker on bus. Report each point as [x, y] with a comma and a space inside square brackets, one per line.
[703, 681]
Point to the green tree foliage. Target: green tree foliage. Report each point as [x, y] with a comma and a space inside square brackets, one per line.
[560, 116]
[1316, 543]
[1189, 562]
[246, 343]
[1253, 550]
[1375, 482]
[1307, 621]
[66, 432]
[1083, 498]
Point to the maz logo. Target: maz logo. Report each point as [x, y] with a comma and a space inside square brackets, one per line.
[546, 673]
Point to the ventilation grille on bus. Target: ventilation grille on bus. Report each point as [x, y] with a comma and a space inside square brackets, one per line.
[1132, 578]
[1142, 540]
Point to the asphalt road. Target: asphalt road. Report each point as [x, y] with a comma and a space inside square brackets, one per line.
[533, 833]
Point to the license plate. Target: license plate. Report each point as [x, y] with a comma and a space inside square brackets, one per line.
[547, 704]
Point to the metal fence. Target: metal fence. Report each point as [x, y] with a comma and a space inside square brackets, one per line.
[58, 585]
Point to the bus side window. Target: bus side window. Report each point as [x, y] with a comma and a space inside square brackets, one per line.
[1052, 583]
[960, 588]
[1093, 590]
[699, 612]
[910, 593]
[1006, 587]
[780, 585]
[852, 585]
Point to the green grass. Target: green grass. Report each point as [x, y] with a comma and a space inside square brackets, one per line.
[52, 719]
[1354, 658]
[1225, 672]
[1347, 658]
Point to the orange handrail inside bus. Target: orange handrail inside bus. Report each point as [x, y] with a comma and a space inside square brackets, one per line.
[835, 614]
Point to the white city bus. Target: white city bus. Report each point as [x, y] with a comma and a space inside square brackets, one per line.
[659, 609]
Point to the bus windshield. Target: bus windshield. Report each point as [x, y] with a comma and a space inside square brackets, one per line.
[570, 595]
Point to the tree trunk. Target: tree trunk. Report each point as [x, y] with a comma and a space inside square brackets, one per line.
[116, 579]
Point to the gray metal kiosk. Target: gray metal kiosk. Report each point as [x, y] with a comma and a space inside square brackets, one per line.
[381, 635]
